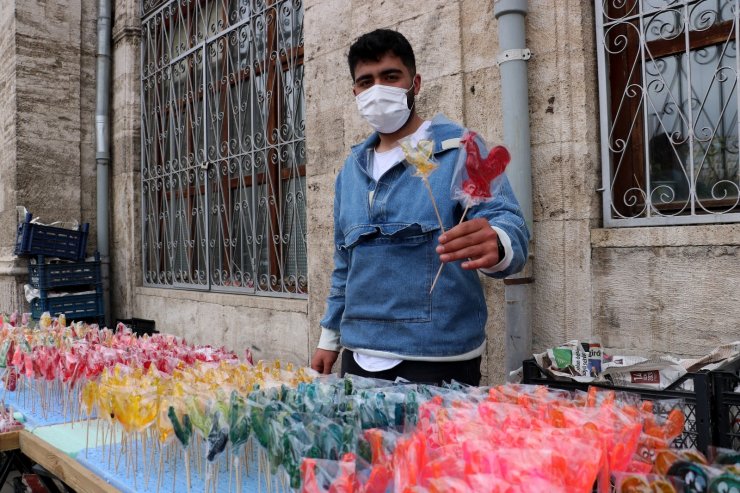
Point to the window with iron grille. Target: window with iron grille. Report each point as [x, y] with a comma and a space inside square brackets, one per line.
[668, 74]
[223, 146]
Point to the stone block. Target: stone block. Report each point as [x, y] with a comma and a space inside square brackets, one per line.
[436, 43]
[367, 16]
[125, 239]
[657, 300]
[482, 104]
[11, 293]
[125, 107]
[328, 30]
[494, 367]
[126, 15]
[554, 25]
[270, 334]
[442, 95]
[327, 83]
[320, 248]
[325, 143]
[548, 316]
[565, 177]
[479, 33]
[577, 268]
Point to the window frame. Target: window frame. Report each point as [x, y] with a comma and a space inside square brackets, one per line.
[274, 175]
[615, 76]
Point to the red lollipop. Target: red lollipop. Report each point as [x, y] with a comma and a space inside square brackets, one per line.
[481, 171]
[476, 188]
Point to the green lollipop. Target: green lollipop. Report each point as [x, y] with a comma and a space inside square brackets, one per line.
[202, 420]
[183, 431]
[217, 438]
[725, 483]
[693, 475]
[380, 413]
[239, 421]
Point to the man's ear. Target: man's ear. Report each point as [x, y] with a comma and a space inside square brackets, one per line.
[417, 84]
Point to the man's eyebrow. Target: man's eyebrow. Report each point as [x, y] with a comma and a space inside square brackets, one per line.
[388, 71]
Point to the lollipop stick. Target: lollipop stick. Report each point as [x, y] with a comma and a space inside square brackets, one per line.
[434, 203]
[187, 468]
[442, 265]
[174, 473]
[161, 467]
[87, 439]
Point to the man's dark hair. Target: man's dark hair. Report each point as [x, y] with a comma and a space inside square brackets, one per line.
[374, 45]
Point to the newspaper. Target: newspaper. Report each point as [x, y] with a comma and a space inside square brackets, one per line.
[588, 362]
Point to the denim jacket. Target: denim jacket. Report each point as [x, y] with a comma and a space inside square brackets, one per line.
[385, 236]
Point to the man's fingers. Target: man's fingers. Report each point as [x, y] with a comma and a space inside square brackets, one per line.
[465, 242]
[463, 253]
[480, 263]
[464, 229]
[323, 361]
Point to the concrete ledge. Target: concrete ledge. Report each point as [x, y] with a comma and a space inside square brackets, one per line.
[13, 266]
[227, 299]
[666, 236]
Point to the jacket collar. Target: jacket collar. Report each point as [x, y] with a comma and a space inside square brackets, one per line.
[442, 130]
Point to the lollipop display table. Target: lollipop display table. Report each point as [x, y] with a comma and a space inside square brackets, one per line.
[9, 441]
[67, 469]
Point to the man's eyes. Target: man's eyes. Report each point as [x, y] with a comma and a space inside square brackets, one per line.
[366, 83]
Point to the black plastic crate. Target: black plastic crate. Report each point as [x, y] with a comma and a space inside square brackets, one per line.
[727, 405]
[36, 239]
[43, 275]
[74, 306]
[139, 326]
[694, 404]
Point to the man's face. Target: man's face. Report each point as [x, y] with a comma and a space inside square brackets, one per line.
[388, 71]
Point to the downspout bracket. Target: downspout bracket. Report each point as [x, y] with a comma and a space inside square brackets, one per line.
[511, 55]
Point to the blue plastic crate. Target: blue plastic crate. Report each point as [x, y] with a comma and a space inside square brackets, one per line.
[73, 306]
[51, 276]
[36, 239]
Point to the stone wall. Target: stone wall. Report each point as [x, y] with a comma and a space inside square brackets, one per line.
[47, 90]
[666, 289]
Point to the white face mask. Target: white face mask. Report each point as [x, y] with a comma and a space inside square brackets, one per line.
[385, 108]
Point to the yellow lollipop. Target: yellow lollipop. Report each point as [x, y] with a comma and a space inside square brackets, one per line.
[420, 157]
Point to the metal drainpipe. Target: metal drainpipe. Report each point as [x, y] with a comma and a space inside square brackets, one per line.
[102, 133]
[512, 62]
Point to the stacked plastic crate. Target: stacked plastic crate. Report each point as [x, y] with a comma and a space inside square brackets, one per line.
[66, 282]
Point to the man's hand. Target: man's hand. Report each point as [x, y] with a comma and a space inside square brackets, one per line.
[323, 360]
[474, 240]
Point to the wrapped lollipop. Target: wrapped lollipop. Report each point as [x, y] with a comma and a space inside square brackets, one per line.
[419, 155]
[475, 176]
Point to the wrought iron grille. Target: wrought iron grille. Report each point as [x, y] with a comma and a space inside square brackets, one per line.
[223, 146]
[668, 75]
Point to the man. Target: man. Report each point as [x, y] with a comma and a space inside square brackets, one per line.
[389, 244]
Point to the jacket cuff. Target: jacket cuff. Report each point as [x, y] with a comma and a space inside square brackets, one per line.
[503, 263]
[329, 340]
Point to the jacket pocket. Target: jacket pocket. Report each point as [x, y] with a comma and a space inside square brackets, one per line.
[389, 278]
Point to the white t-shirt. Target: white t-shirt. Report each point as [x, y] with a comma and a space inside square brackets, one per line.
[382, 162]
